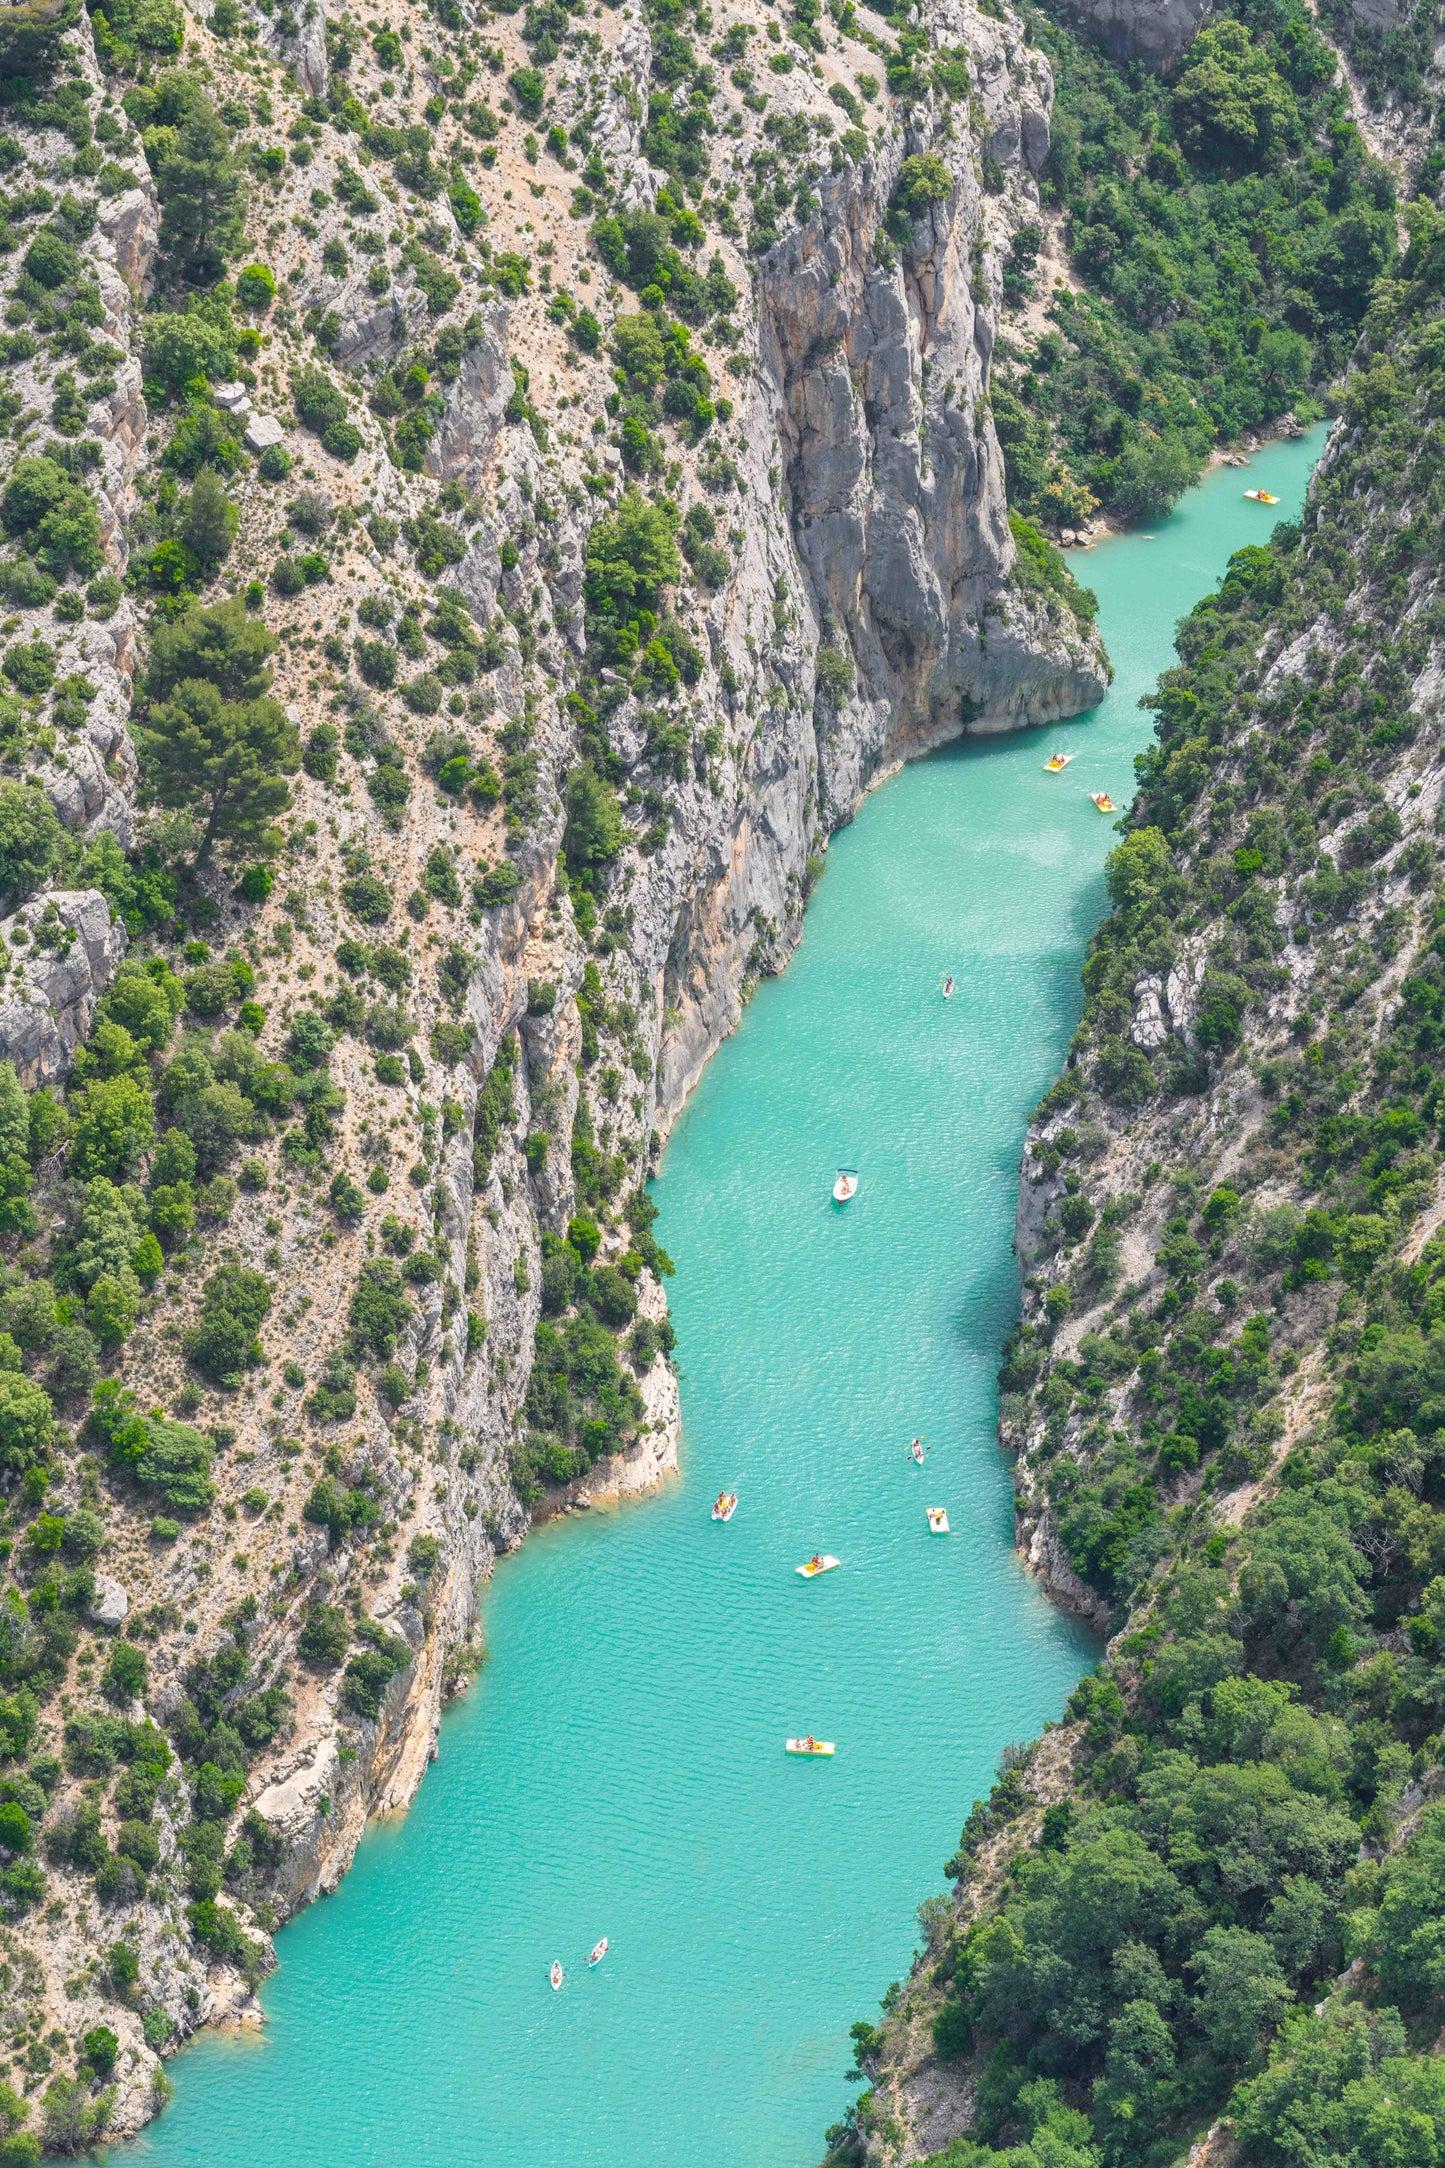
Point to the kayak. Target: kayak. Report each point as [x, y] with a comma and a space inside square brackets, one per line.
[726, 1505]
[1057, 764]
[1103, 801]
[937, 1521]
[1261, 496]
[598, 1952]
[556, 1974]
[948, 988]
[846, 1185]
[810, 1745]
[818, 1563]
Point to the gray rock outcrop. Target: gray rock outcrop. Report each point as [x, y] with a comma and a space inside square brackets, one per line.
[1154, 31]
[110, 1603]
[59, 971]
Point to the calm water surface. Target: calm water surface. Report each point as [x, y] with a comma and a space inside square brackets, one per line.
[619, 1769]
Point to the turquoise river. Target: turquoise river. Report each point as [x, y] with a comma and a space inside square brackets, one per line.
[618, 1769]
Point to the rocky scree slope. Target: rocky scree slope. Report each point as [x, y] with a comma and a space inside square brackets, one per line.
[485, 494]
[1204, 1903]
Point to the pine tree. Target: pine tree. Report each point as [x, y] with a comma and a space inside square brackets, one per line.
[209, 525]
[203, 195]
[213, 743]
[223, 759]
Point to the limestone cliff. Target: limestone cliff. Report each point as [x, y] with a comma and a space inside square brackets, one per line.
[849, 600]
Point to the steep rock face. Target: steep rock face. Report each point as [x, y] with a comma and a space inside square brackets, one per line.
[862, 496]
[1154, 31]
[67, 952]
[875, 522]
[895, 476]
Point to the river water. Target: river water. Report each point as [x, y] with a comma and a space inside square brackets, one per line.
[619, 1770]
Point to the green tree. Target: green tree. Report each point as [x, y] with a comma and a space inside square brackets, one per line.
[1152, 472]
[1232, 104]
[54, 514]
[222, 643]
[223, 759]
[203, 195]
[173, 1459]
[100, 2047]
[325, 1637]
[114, 1126]
[198, 341]
[631, 557]
[27, 1423]
[234, 1302]
[637, 343]
[1283, 361]
[1243, 1995]
[72, 2120]
[110, 1308]
[923, 180]
[208, 526]
[124, 1676]
[31, 841]
[594, 835]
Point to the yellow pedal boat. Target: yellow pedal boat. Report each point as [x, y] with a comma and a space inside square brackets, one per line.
[937, 1521]
[820, 1562]
[810, 1745]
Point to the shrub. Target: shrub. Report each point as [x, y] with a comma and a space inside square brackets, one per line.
[324, 1637]
[378, 1309]
[234, 1301]
[367, 898]
[368, 1675]
[256, 288]
[923, 180]
[31, 841]
[423, 1555]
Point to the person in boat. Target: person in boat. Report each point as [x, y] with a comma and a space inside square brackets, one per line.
[816, 1559]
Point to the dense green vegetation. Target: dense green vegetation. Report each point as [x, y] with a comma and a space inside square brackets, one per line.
[1227, 229]
[1248, 1796]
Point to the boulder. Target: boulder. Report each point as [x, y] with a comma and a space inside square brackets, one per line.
[110, 1603]
[46, 1012]
[263, 430]
[232, 398]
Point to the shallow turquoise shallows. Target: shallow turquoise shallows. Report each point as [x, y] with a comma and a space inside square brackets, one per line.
[619, 1769]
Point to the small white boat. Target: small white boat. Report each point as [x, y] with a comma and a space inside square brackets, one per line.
[556, 1975]
[937, 1521]
[1261, 496]
[810, 1745]
[1103, 801]
[820, 1562]
[949, 987]
[1056, 763]
[846, 1185]
[725, 1505]
[916, 1450]
[598, 1951]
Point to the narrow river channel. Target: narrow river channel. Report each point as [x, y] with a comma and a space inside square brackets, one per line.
[618, 1770]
